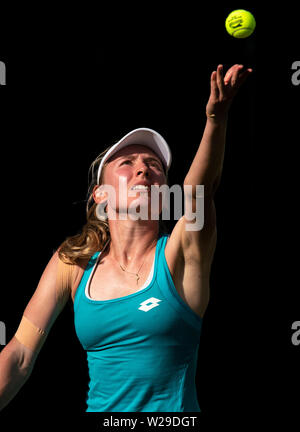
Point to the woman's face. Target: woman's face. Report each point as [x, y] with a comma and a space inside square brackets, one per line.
[131, 166]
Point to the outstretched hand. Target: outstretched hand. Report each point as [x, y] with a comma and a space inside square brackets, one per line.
[223, 89]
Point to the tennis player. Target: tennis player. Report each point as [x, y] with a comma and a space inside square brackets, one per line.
[139, 292]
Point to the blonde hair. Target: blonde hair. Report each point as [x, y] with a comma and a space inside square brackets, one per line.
[95, 233]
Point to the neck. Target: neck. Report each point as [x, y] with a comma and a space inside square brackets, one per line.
[132, 240]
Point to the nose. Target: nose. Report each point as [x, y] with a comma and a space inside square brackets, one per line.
[143, 169]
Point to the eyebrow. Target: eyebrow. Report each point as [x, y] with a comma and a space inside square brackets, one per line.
[148, 159]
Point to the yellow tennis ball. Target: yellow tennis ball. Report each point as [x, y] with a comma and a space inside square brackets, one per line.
[240, 23]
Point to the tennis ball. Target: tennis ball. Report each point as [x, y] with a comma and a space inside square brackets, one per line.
[240, 23]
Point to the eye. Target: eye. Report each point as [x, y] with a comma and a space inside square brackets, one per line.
[156, 165]
[126, 161]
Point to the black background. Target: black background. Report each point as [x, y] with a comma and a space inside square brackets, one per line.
[78, 79]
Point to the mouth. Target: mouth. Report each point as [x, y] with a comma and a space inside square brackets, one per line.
[140, 187]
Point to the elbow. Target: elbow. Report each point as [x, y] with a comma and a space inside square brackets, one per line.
[26, 361]
[15, 371]
[25, 369]
[23, 357]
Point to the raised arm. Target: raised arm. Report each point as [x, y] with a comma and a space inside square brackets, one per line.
[206, 167]
[18, 357]
[196, 247]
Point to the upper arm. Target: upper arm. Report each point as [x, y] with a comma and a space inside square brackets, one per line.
[199, 245]
[189, 255]
[45, 305]
[196, 245]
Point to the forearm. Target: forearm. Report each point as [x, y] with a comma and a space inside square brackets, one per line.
[207, 164]
[13, 374]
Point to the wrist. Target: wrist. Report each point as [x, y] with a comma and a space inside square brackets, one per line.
[217, 118]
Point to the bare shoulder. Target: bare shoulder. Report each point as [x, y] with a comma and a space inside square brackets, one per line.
[196, 245]
[185, 245]
[78, 270]
[173, 249]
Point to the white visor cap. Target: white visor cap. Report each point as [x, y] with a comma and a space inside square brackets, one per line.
[143, 136]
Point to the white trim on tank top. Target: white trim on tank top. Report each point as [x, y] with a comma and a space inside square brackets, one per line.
[148, 281]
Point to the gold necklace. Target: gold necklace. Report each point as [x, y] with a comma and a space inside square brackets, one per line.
[136, 274]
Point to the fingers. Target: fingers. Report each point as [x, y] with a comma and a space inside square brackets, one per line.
[213, 86]
[228, 75]
[224, 88]
[244, 75]
[234, 75]
[220, 80]
[231, 72]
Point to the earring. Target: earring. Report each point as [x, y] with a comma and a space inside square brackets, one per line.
[100, 211]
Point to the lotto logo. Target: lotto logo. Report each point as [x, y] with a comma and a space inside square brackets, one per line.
[149, 304]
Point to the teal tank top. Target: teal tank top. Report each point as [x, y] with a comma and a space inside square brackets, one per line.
[142, 348]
